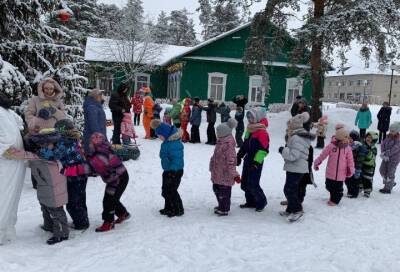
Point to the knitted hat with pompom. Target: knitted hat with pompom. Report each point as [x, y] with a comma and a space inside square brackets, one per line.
[341, 133]
[225, 129]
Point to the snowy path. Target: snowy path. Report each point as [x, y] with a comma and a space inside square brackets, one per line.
[358, 235]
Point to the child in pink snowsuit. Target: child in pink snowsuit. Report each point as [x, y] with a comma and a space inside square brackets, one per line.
[127, 129]
[340, 164]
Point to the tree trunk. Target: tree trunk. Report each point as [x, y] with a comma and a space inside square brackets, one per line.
[316, 64]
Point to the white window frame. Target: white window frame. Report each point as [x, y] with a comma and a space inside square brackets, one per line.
[224, 77]
[140, 75]
[291, 80]
[262, 89]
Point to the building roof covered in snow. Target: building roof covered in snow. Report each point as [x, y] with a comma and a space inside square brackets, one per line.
[108, 50]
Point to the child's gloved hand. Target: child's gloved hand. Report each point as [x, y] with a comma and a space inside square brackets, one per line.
[357, 173]
[237, 179]
[316, 167]
[280, 149]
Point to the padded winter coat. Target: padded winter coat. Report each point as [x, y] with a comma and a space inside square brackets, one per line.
[195, 118]
[211, 110]
[239, 116]
[224, 111]
[148, 104]
[119, 103]
[51, 185]
[384, 118]
[95, 120]
[340, 162]
[363, 118]
[223, 162]
[36, 103]
[391, 148]
[175, 113]
[137, 104]
[171, 153]
[296, 151]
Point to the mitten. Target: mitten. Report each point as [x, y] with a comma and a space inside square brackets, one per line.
[280, 149]
[357, 174]
[316, 167]
[237, 179]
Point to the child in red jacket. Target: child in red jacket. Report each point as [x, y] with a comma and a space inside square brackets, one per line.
[340, 164]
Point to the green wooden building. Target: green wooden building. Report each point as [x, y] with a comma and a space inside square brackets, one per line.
[213, 68]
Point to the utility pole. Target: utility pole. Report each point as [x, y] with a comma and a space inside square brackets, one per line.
[365, 86]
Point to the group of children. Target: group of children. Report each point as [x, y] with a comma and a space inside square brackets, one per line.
[61, 169]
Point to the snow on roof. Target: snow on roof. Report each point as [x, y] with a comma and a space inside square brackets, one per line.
[216, 38]
[108, 50]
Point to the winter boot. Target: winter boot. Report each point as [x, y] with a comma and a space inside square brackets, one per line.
[246, 206]
[163, 211]
[293, 217]
[107, 226]
[385, 191]
[284, 202]
[331, 203]
[284, 213]
[367, 194]
[54, 240]
[221, 213]
[123, 218]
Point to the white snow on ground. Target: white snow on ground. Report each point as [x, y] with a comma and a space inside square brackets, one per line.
[358, 235]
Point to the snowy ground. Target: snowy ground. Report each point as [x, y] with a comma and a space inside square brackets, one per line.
[358, 235]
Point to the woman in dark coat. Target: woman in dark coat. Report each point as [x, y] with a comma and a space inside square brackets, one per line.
[240, 101]
[95, 117]
[384, 120]
[119, 104]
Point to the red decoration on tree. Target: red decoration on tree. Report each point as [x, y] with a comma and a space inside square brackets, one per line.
[64, 15]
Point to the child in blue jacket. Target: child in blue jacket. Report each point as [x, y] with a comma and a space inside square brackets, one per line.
[172, 162]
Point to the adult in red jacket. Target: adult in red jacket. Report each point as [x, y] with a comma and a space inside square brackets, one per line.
[137, 105]
[185, 118]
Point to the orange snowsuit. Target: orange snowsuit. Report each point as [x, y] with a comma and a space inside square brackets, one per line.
[148, 104]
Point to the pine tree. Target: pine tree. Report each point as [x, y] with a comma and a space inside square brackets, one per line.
[132, 22]
[110, 17]
[181, 29]
[205, 17]
[219, 18]
[161, 30]
[39, 49]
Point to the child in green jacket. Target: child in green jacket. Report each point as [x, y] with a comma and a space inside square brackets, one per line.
[369, 162]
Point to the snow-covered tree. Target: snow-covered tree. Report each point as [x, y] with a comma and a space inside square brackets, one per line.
[161, 31]
[205, 17]
[13, 83]
[40, 49]
[329, 25]
[110, 16]
[181, 28]
[219, 16]
[132, 22]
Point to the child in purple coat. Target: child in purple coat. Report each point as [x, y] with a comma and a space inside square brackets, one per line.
[390, 154]
[223, 167]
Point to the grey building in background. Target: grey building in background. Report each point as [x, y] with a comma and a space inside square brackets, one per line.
[351, 88]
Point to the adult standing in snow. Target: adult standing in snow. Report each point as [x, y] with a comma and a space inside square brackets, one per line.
[211, 110]
[119, 104]
[45, 109]
[195, 121]
[384, 120]
[95, 117]
[137, 105]
[12, 172]
[148, 104]
[363, 120]
[240, 101]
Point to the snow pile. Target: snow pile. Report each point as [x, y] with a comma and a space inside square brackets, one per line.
[358, 235]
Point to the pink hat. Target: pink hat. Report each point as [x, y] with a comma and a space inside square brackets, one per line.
[341, 133]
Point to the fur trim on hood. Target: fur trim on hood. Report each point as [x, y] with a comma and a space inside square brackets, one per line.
[58, 91]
